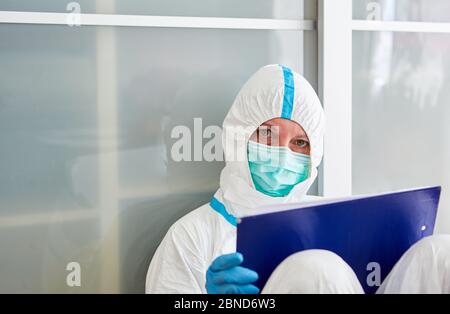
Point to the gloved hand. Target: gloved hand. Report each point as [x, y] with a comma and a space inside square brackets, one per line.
[225, 276]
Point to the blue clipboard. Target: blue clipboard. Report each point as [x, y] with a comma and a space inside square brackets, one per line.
[379, 228]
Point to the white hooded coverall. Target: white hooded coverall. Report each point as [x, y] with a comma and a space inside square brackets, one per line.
[194, 241]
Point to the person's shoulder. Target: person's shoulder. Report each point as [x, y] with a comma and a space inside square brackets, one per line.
[196, 216]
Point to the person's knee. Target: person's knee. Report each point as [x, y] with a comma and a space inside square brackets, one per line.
[316, 261]
[436, 245]
[313, 271]
[424, 268]
[326, 265]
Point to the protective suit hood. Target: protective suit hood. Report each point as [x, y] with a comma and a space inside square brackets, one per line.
[274, 91]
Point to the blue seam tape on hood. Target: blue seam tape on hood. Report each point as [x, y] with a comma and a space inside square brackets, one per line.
[288, 99]
[220, 208]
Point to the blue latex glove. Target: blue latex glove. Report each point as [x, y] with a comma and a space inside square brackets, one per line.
[225, 276]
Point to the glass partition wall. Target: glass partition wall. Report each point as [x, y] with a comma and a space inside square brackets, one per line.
[87, 182]
[401, 112]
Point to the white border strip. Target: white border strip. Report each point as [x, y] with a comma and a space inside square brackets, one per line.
[155, 21]
[397, 26]
[335, 89]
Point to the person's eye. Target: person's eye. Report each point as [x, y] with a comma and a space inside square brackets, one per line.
[301, 143]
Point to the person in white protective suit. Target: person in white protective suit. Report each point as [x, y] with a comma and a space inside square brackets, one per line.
[198, 253]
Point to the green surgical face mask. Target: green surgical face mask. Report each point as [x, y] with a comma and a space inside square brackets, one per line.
[276, 170]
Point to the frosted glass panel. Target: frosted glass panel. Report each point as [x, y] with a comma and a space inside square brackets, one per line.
[401, 114]
[285, 9]
[86, 115]
[402, 10]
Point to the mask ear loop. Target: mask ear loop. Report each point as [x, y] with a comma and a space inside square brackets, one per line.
[310, 158]
[310, 168]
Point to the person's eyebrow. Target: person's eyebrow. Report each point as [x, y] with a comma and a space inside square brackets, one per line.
[303, 136]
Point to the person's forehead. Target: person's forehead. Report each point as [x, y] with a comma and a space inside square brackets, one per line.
[285, 124]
